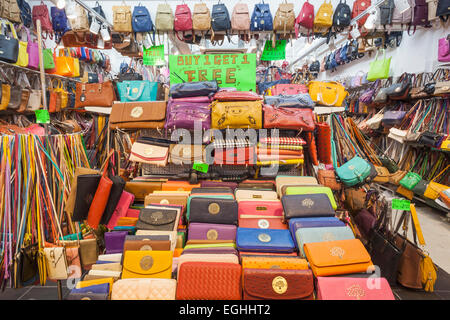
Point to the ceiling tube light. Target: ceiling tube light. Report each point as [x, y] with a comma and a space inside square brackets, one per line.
[60, 4]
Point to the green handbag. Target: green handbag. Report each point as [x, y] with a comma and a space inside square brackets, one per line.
[410, 180]
[379, 68]
[49, 63]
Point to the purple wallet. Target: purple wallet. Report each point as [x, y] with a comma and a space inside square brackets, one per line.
[114, 241]
[210, 231]
[215, 184]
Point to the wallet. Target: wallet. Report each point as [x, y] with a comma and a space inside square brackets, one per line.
[70, 203]
[334, 288]
[199, 257]
[210, 231]
[307, 205]
[105, 274]
[147, 244]
[214, 196]
[212, 190]
[264, 240]
[291, 263]
[147, 264]
[210, 251]
[177, 199]
[125, 201]
[86, 188]
[107, 266]
[98, 288]
[114, 241]
[282, 181]
[141, 189]
[213, 210]
[172, 236]
[115, 257]
[255, 194]
[144, 289]
[308, 235]
[209, 281]
[178, 186]
[312, 190]
[89, 283]
[273, 284]
[337, 257]
[214, 184]
[261, 222]
[158, 219]
[149, 153]
[315, 222]
[113, 200]
[86, 296]
[260, 208]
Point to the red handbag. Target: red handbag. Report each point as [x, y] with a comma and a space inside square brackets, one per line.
[324, 141]
[288, 118]
[235, 156]
[237, 96]
[288, 89]
[101, 197]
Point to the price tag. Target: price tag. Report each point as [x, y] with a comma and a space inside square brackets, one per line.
[400, 204]
[277, 53]
[202, 167]
[154, 56]
[42, 116]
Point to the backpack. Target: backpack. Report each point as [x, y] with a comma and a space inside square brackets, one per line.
[443, 10]
[59, 22]
[9, 9]
[261, 18]
[284, 18]
[220, 18]
[201, 19]
[240, 19]
[420, 14]
[40, 12]
[342, 16]
[305, 18]
[183, 21]
[359, 6]
[164, 18]
[25, 12]
[344, 50]
[324, 18]
[141, 20]
[315, 66]
[333, 62]
[405, 17]
[386, 10]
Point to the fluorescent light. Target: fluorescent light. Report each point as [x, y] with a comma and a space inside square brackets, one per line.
[60, 3]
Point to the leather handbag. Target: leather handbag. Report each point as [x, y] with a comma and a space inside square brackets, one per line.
[122, 18]
[236, 114]
[158, 219]
[268, 284]
[264, 240]
[301, 100]
[392, 118]
[321, 234]
[337, 257]
[95, 94]
[193, 89]
[5, 96]
[209, 281]
[400, 90]
[87, 185]
[64, 64]
[410, 180]
[56, 263]
[114, 241]
[149, 153]
[135, 115]
[147, 264]
[209, 231]
[434, 189]
[288, 89]
[9, 45]
[328, 178]
[184, 114]
[284, 263]
[382, 175]
[211, 210]
[379, 69]
[307, 190]
[307, 205]
[22, 57]
[132, 91]
[327, 93]
[144, 289]
[260, 208]
[352, 288]
[225, 96]
[288, 118]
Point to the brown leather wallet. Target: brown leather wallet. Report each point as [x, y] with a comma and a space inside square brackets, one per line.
[278, 284]
[142, 189]
[138, 245]
[133, 115]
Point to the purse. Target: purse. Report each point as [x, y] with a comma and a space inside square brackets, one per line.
[379, 69]
[147, 264]
[125, 201]
[184, 114]
[306, 205]
[308, 190]
[9, 45]
[327, 93]
[264, 240]
[400, 90]
[327, 178]
[133, 115]
[236, 114]
[434, 189]
[158, 219]
[114, 241]
[56, 263]
[87, 185]
[352, 288]
[261, 222]
[272, 208]
[148, 242]
[95, 94]
[213, 210]
[147, 152]
[144, 289]
[268, 284]
[410, 180]
[288, 118]
[131, 91]
[193, 89]
[209, 281]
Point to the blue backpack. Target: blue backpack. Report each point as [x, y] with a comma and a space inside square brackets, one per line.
[59, 22]
[25, 13]
[261, 18]
[141, 20]
[344, 49]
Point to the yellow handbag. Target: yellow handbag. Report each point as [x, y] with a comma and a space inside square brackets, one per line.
[59, 88]
[6, 91]
[445, 145]
[22, 58]
[64, 65]
[433, 189]
[147, 264]
[76, 68]
[382, 175]
[236, 115]
[327, 93]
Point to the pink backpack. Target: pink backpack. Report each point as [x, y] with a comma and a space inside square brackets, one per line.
[305, 18]
[183, 20]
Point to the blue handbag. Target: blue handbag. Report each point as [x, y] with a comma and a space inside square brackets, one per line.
[308, 235]
[264, 240]
[261, 18]
[132, 91]
[264, 85]
[317, 222]
[141, 20]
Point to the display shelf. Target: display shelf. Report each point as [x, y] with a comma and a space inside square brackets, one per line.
[2, 63]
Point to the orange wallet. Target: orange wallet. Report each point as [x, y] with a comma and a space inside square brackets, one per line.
[274, 263]
[338, 257]
[178, 186]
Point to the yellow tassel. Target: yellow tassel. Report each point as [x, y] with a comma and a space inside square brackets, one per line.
[429, 274]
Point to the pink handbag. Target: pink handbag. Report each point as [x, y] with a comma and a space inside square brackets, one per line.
[444, 49]
[260, 208]
[288, 89]
[334, 288]
[32, 50]
[125, 201]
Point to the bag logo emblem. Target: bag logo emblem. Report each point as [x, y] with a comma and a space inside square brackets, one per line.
[146, 248]
[279, 285]
[308, 203]
[212, 234]
[146, 263]
[148, 151]
[337, 252]
[213, 208]
[164, 201]
[328, 236]
[263, 224]
[264, 237]
[157, 215]
[355, 291]
[136, 112]
[135, 90]
[351, 167]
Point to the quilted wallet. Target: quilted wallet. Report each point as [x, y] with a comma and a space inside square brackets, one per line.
[266, 240]
[144, 289]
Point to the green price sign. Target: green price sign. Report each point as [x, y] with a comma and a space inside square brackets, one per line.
[202, 167]
[154, 56]
[42, 116]
[277, 53]
[400, 204]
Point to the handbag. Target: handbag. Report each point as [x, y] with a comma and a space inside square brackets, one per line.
[134, 115]
[79, 21]
[327, 93]
[56, 263]
[434, 189]
[64, 65]
[34, 101]
[147, 264]
[379, 69]
[410, 180]
[328, 179]
[193, 89]
[9, 45]
[158, 219]
[130, 91]
[400, 90]
[236, 114]
[288, 118]
[264, 85]
[149, 152]
[444, 49]
[95, 94]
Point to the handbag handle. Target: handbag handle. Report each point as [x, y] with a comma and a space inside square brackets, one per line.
[443, 171]
[141, 90]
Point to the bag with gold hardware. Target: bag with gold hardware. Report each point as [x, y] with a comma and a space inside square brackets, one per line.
[327, 93]
[284, 20]
[56, 263]
[434, 189]
[147, 264]
[236, 114]
[95, 94]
